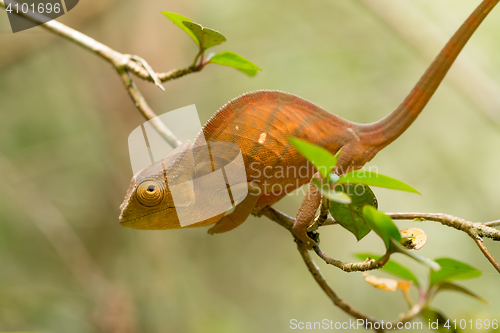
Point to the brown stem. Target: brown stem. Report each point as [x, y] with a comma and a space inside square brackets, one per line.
[123, 63]
[276, 216]
[145, 110]
[487, 253]
[367, 265]
[318, 277]
[492, 223]
[471, 228]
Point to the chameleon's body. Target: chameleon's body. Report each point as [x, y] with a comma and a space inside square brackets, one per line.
[260, 122]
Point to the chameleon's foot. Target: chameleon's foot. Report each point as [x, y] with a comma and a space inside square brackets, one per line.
[307, 213]
[308, 241]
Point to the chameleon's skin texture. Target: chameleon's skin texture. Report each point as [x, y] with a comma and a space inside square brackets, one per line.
[260, 122]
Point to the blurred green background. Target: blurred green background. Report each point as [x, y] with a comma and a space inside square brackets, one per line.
[68, 266]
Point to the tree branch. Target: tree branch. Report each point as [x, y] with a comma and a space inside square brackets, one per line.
[318, 277]
[367, 265]
[145, 110]
[115, 58]
[487, 254]
[123, 63]
[492, 223]
[474, 230]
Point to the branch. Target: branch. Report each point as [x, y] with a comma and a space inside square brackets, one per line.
[276, 216]
[115, 58]
[145, 110]
[487, 254]
[474, 230]
[314, 270]
[367, 265]
[123, 63]
[492, 223]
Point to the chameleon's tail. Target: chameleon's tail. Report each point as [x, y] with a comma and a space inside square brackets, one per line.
[388, 129]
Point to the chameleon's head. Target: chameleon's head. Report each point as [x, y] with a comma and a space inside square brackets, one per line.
[148, 203]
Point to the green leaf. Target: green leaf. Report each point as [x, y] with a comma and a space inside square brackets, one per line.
[204, 37]
[178, 20]
[231, 59]
[350, 216]
[453, 270]
[249, 72]
[196, 29]
[212, 38]
[437, 320]
[321, 158]
[460, 289]
[330, 193]
[381, 224]
[392, 267]
[207, 38]
[375, 179]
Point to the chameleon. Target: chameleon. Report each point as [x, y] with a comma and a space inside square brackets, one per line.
[259, 123]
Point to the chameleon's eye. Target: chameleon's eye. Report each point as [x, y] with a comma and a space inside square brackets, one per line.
[150, 192]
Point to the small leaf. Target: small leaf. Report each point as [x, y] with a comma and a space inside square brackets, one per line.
[331, 194]
[318, 156]
[404, 286]
[212, 38]
[381, 283]
[196, 29]
[437, 320]
[460, 289]
[453, 270]
[413, 238]
[392, 267]
[375, 179]
[178, 19]
[249, 72]
[381, 224]
[231, 59]
[350, 216]
[207, 37]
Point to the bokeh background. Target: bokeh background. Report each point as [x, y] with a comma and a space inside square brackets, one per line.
[66, 265]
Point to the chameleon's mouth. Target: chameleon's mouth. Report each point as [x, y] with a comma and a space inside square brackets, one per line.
[125, 221]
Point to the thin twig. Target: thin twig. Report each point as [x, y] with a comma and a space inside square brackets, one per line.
[314, 269]
[367, 265]
[114, 57]
[318, 277]
[487, 253]
[492, 223]
[281, 218]
[472, 229]
[146, 111]
[123, 63]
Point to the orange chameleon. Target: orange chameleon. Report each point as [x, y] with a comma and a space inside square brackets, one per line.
[274, 116]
